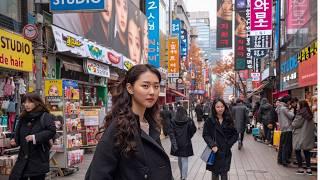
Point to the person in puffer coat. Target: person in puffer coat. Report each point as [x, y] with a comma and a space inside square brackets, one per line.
[303, 135]
[33, 137]
[182, 129]
[266, 115]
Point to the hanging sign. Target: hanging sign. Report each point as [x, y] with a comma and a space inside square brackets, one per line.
[173, 57]
[96, 68]
[261, 17]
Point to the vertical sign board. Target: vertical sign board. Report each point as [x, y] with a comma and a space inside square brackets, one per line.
[224, 24]
[298, 14]
[184, 44]
[261, 17]
[248, 40]
[152, 13]
[276, 39]
[240, 32]
[173, 57]
[176, 32]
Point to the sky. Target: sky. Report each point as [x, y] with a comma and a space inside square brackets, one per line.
[205, 5]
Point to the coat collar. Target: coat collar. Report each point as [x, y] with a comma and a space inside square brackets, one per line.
[152, 138]
[218, 126]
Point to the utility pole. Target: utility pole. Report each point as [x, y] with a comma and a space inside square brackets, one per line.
[38, 50]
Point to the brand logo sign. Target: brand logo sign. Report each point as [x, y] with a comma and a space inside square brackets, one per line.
[76, 5]
[127, 64]
[96, 68]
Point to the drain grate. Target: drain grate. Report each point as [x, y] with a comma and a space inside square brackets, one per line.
[257, 171]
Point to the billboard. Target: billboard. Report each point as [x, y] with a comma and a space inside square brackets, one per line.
[298, 14]
[121, 27]
[152, 12]
[173, 57]
[224, 24]
[240, 49]
[261, 17]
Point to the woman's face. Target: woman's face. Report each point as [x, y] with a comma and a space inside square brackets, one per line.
[145, 91]
[134, 42]
[53, 91]
[106, 15]
[122, 14]
[219, 108]
[28, 105]
[226, 10]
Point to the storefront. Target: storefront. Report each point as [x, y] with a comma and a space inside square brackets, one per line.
[16, 65]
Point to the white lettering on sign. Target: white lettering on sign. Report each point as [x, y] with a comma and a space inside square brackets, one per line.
[57, 2]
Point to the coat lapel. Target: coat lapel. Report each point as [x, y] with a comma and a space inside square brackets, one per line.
[151, 139]
[218, 126]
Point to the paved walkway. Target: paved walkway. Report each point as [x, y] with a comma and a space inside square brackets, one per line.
[255, 161]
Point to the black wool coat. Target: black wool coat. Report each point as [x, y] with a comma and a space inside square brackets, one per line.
[33, 159]
[180, 135]
[150, 161]
[223, 136]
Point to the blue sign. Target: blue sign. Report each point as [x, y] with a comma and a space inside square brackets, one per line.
[289, 65]
[184, 43]
[76, 5]
[176, 27]
[152, 13]
[277, 31]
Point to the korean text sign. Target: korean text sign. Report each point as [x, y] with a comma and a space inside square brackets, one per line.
[224, 24]
[240, 49]
[261, 17]
[184, 43]
[173, 57]
[152, 13]
[298, 14]
[15, 52]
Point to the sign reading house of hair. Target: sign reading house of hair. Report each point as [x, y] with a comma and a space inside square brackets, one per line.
[224, 24]
[15, 51]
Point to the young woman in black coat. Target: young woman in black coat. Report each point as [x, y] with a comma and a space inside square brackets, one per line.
[130, 147]
[181, 131]
[220, 135]
[33, 137]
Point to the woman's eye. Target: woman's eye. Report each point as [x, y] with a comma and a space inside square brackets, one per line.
[156, 86]
[145, 86]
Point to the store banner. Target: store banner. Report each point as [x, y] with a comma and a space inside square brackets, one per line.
[96, 68]
[114, 58]
[15, 51]
[307, 71]
[308, 52]
[261, 42]
[176, 28]
[173, 57]
[184, 44]
[276, 40]
[298, 14]
[261, 17]
[224, 24]
[127, 64]
[255, 77]
[68, 42]
[289, 73]
[240, 49]
[96, 52]
[153, 15]
[122, 27]
[53, 88]
[249, 57]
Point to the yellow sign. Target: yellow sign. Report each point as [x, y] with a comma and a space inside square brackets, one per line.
[15, 52]
[53, 88]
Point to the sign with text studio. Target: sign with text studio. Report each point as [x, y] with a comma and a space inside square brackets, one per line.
[121, 27]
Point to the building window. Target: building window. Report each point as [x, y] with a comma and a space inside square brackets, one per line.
[10, 14]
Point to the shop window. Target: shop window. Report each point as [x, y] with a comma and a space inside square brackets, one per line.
[10, 14]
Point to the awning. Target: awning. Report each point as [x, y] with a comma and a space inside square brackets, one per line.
[258, 90]
[172, 91]
[72, 66]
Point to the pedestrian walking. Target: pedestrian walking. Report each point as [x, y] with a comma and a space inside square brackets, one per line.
[220, 135]
[303, 135]
[34, 130]
[266, 116]
[182, 129]
[130, 147]
[206, 110]
[199, 113]
[166, 117]
[285, 117]
[241, 119]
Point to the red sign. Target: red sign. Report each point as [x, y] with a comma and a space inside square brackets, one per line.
[261, 17]
[298, 14]
[308, 72]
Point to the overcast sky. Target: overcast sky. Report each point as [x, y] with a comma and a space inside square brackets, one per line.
[203, 5]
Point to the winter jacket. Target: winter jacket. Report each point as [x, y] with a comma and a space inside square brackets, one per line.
[266, 114]
[241, 117]
[223, 136]
[199, 110]
[166, 116]
[33, 159]
[180, 136]
[303, 131]
[285, 117]
[150, 161]
[206, 109]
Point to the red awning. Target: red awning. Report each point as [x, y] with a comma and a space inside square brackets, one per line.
[175, 92]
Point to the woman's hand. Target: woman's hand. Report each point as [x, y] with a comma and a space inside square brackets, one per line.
[214, 149]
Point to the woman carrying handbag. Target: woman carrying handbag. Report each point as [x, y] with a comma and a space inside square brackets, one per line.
[220, 135]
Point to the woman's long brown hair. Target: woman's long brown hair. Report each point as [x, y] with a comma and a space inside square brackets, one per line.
[36, 99]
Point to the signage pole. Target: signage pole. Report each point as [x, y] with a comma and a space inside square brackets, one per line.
[38, 51]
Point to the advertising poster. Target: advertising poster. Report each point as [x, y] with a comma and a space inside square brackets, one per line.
[224, 24]
[53, 95]
[298, 14]
[261, 17]
[173, 57]
[18, 56]
[240, 49]
[117, 28]
[152, 13]
[96, 68]
[70, 89]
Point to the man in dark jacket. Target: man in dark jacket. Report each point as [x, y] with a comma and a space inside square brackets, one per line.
[166, 117]
[199, 113]
[266, 115]
[241, 118]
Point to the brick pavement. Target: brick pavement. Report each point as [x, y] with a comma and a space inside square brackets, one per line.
[255, 161]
